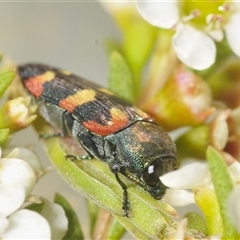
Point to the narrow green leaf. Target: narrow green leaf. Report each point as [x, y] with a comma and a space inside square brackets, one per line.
[207, 201]
[74, 231]
[6, 79]
[35, 207]
[120, 78]
[223, 186]
[4, 133]
[150, 218]
[139, 38]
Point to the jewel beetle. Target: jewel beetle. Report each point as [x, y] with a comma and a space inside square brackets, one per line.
[108, 128]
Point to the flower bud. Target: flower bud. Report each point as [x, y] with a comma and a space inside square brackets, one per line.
[185, 100]
[194, 142]
[17, 114]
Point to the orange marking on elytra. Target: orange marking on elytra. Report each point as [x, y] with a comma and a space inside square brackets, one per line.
[80, 97]
[119, 121]
[35, 84]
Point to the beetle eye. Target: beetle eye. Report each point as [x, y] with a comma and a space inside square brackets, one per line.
[152, 173]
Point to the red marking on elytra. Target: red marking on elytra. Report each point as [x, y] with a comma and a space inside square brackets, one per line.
[67, 105]
[117, 123]
[34, 86]
[103, 130]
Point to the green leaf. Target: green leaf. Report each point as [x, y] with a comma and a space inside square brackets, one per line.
[120, 78]
[223, 186]
[35, 207]
[6, 79]
[196, 221]
[92, 178]
[4, 133]
[74, 231]
[139, 38]
[207, 201]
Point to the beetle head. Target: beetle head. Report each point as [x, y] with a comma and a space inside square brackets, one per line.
[147, 152]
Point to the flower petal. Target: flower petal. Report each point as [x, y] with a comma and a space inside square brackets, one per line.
[217, 35]
[233, 207]
[3, 223]
[219, 130]
[56, 218]
[163, 14]
[12, 196]
[193, 47]
[19, 113]
[178, 197]
[192, 175]
[26, 224]
[234, 170]
[13, 170]
[24, 154]
[232, 34]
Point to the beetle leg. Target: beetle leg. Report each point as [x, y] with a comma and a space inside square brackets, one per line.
[151, 190]
[83, 157]
[47, 136]
[126, 205]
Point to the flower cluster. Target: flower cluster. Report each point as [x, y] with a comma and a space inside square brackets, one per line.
[17, 180]
[196, 28]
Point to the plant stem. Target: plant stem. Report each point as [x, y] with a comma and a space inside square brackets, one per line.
[102, 225]
[162, 64]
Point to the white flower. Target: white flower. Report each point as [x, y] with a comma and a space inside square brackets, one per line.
[193, 174]
[231, 27]
[56, 218]
[17, 113]
[194, 47]
[24, 154]
[19, 108]
[178, 197]
[17, 180]
[234, 170]
[26, 224]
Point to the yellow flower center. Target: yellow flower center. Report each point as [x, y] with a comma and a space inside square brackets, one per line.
[211, 15]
